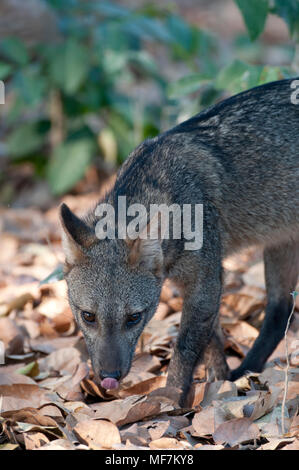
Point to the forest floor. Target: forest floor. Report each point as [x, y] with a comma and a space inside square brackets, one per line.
[48, 399]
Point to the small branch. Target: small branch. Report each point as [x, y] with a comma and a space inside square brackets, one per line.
[286, 380]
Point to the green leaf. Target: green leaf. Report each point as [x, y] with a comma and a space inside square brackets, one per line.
[254, 13]
[54, 276]
[5, 70]
[31, 85]
[111, 10]
[30, 370]
[148, 29]
[270, 74]
[289, 11]
[24, 140]
[229, 74]
[178, 28]
[14, 49]
[186, 85]
[69, 66]
[68, 164]
[240, 76]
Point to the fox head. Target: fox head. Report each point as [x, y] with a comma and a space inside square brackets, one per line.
[113, 288]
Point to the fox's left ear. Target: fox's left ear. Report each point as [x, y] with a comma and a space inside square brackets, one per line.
[76, 235]
[146, 250]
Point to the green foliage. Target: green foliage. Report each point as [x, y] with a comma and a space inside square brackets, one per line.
[186, 85]
[254, 13]
[289, 11]
[86, 81]
[68, 67]
[68, 164]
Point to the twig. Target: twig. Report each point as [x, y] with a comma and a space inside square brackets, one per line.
[286, 380]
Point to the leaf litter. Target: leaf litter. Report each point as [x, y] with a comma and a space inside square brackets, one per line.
[49, 399]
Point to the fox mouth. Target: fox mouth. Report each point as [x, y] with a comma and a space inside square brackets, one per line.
[109, 383]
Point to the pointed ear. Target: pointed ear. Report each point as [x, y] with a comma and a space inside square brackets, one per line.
[146, 251]
[76, 235]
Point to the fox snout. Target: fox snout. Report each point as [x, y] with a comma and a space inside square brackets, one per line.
[110, 363]
[110, 380]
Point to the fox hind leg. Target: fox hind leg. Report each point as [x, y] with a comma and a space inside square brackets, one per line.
[281, 276]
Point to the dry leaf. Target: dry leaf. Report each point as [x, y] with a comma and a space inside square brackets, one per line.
[166, 443]
[218, 390]
[162, 311]
[34, 440]
[97, 433]
[64, 361]
[196, 394]
[236, 431]
[29, 415]
[11, 336]
[176, 304]
[203, 422]
[57, 444]
[143, 388]
[293, 446]
[19, 396]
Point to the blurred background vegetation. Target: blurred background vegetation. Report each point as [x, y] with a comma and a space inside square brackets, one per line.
[88, 80]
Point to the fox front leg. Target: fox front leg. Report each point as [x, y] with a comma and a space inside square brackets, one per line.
[199, 320]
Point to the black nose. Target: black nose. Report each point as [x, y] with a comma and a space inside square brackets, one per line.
[112, 375]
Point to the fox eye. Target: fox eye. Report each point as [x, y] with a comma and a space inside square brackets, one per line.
[88, 317]
[133, 319]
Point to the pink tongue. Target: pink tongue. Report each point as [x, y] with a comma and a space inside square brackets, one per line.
[109, 383]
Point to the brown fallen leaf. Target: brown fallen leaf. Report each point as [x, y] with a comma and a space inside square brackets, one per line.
[241, 305]
[137, 407]
[64, 361]
[162, 311]
[19, 396]
[29, 415]
[11, 336]
[51, 307]
[243, 333]
[293, 446]
[274, 443]
[218, 390]
[255, 276]
[166, 292]
[30, 327]
[57, 444]
[95, 390]
[128, 410]
[236, 431]
[97, 433]
[70, 389]
[166, 443]
[142, 369]
[18, 303]
[63, 321]
[144, 388]
[176, 304]
[203, 422]
[208, 447]
[12, 378]
[262, 404]
[34, 440]
[294, 427]
[164, 426]
[196, 394]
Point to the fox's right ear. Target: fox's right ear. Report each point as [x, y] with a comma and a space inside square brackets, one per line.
[76, 235]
